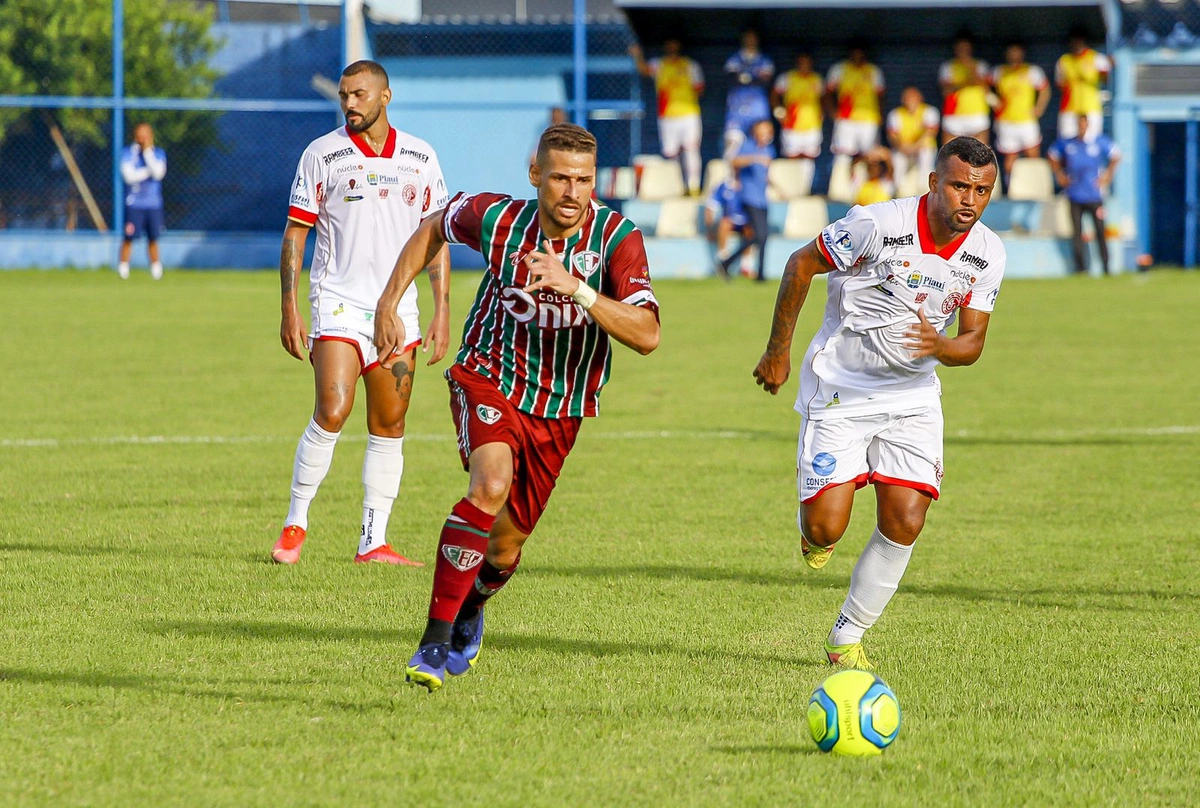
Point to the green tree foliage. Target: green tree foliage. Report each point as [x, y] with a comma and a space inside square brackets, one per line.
[64, 47]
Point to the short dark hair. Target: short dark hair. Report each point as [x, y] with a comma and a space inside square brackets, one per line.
[566, 137]
[366, 66]
[971, 151]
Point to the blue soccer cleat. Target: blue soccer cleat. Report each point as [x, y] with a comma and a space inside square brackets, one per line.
[427, 667]
[466, 638]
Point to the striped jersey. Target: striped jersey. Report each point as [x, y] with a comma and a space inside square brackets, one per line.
[543, 351]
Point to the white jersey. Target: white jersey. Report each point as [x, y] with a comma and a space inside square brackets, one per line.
[366, 206]
[885, 267]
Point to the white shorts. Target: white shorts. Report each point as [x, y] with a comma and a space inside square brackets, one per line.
[678, 134]
[341, 322]
[898, 449]
[1013, 138]
[854, 137]
[1068, 124]
[801, 144]
[964, 125]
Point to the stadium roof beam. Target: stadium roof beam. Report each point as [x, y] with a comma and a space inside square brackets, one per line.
[880, 22]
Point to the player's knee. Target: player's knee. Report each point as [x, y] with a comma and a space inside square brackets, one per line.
[389, 427]
[331, 419]
[821, 530]
[489, 492]
[902, 525]
[502, 551]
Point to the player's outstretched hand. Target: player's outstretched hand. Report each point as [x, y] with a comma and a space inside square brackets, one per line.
[773, 371]
[291, 334]
[389, 337]
[922, 337]
[438, 338]
[547, 272]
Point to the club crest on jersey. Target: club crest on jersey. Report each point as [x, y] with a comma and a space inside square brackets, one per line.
[462, 559]
[489, 415]
[410, 194]
[586, 263]
[955, 300]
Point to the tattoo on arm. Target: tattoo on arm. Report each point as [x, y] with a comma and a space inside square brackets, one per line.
[289, 259]
[793, 289]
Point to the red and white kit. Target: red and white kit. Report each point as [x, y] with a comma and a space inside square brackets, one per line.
[365, 206]
[870, 411]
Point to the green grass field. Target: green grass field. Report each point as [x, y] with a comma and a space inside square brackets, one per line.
[659, 644]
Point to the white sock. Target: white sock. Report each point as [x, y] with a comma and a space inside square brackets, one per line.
[123, 269]
[314, 453]
[383, 466]
[872, 584]
[156, 270]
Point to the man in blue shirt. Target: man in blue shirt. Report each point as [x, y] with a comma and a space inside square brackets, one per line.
[751, 164]
[747, 100]
[723, 216]
[1085, 169]
[143, 166]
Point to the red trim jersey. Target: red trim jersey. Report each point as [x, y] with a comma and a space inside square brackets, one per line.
[365, 206]
[885, 268]
[541, 350]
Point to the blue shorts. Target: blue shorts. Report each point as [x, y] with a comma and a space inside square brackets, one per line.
[146, 222]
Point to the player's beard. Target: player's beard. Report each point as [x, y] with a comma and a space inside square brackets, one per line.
[563, 223]
[955, 226]
[365, 122]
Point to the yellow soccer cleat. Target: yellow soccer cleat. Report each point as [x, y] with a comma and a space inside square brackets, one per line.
[815, 557]
[848, 656]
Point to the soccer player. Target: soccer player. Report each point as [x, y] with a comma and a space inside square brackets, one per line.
[900, 274]
[752, 164]
[565, 277]
[912, 132]
[747, 102]
[1024, 93]
[1084, 166]
[366, 187]
[679, 83]
[797, 101]
[964, 81]
[1079, 74]
[857, 87]
[143, 166]
[724, 216]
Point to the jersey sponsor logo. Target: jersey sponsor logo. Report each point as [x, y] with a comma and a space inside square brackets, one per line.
[552, 311]
[347, 169]
[833, 402]
[300, 183]
[824, 464]
[352, 198]
[299, 200]
[409, 194]
[337, 155]
[973, 259]
[933, 283]
[914, 280]
[425, 201]
[340, 309]
[463, 559]
[898, 241]
[416, 155]
[320, 192]
[489, 415]
[383, 193]
[586, 263]
[921, 297]
[842, 241]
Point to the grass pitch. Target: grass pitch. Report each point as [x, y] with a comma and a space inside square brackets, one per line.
[660, 642]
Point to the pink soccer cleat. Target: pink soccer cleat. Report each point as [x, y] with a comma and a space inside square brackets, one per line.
[386, 555]
[287, 549]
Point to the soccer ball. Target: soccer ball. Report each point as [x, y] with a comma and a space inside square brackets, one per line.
[853, 713]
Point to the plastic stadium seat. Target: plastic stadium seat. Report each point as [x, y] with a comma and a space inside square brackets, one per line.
[793, 178]
[661, 180]
[1031, 180]
[806, 217]
[913, 183]
[624, 183]
[715, 173]
[678, 218]
[843, 183]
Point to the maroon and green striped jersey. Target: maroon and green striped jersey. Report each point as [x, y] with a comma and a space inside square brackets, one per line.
[542, 350]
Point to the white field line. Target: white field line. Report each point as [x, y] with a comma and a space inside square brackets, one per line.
[713, 434]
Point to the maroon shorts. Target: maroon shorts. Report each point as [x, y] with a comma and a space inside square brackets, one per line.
[539, 445]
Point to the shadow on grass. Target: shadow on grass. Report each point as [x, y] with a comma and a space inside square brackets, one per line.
[1069, 596]
[407, 639]
[767, 749]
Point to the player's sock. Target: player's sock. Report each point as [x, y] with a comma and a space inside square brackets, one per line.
[461, 547]
[123, 269]
[156, 270]
[872, 584]
[488, 582]
[314, 453]
[383, 466]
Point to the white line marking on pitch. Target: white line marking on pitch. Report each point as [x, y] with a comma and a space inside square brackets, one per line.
[728, 434]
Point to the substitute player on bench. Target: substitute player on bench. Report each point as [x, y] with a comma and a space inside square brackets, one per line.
[900, 274]
[564, 278]
[366, 187]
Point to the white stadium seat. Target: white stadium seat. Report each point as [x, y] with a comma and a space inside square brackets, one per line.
[678, 218]
[843, 184]
[792, 178]
[661, 180]
[715, 173]
[1031, 180]
[806, 217]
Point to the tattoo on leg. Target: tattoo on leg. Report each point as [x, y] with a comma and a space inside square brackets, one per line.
[403, 371]
[341, 388]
